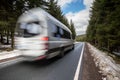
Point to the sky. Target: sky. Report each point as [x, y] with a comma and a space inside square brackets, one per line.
[78, 11]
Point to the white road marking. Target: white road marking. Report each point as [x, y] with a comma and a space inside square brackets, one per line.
[76, 77]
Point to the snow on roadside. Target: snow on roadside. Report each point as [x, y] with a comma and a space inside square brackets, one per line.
[9, 54]
[107, 65]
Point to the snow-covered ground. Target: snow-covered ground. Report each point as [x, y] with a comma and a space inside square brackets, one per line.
[5, 46]
[107, 65]
[9, 54]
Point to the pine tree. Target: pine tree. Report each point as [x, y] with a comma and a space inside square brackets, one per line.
[72, 28]
[103, 29]
[55, 11]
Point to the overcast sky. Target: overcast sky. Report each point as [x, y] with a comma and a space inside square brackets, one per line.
[78, 11]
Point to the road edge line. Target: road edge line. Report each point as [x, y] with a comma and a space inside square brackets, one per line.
[76, 77]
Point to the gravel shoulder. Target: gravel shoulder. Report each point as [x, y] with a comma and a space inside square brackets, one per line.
[89, 70]
[107, 65]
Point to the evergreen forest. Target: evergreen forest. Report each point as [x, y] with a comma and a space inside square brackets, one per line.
[104, 25]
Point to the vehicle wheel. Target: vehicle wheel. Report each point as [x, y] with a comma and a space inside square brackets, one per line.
[73, 46]
[61, 53]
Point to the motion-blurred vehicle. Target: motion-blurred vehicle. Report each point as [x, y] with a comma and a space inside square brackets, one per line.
[40, 36]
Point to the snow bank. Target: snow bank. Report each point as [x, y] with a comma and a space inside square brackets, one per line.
[9, 54]
[107, 65]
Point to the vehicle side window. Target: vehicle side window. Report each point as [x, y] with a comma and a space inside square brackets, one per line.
[61, 33]
[66, 35]
[54, 29]
[57, 32]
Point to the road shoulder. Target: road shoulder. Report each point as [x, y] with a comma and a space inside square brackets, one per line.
[9, 55]
[89, 70]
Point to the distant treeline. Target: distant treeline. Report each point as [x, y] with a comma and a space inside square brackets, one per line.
[10, 10]
[104, 25]
[81, 38]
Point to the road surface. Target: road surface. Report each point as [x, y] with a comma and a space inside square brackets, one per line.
[53, 69]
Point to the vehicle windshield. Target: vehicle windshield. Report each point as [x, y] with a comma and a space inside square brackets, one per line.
[28, 29]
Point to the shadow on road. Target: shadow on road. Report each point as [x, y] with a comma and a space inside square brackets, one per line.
[40, 63]
[43, 63]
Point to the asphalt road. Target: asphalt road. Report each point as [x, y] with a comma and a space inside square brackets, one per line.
[53, 69]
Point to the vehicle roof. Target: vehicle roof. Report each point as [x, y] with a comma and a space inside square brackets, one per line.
[38, 14]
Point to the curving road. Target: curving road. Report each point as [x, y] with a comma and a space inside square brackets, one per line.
[53, 69]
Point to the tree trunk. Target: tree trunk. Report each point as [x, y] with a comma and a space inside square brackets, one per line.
[7, 37]
[12, 41]
[1, 40]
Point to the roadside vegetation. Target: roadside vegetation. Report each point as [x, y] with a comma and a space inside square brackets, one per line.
[10, 10]
[104, 26]
[81, 38]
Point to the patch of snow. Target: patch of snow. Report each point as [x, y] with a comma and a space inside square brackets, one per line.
[5, 46]
[103, 78]
[106, 64]
[117, 53]
[9, 54]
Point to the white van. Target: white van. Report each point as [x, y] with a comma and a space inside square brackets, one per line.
[39, 35]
